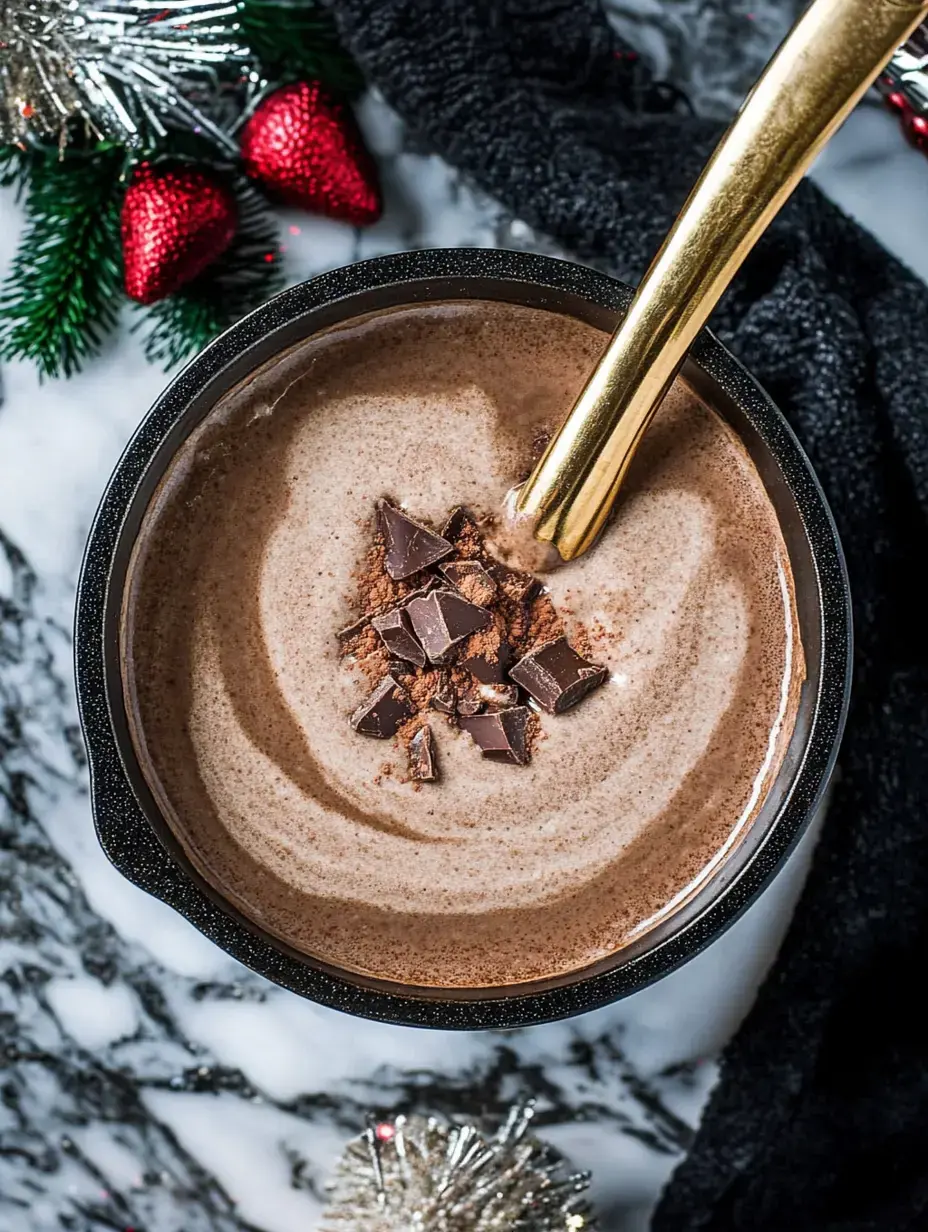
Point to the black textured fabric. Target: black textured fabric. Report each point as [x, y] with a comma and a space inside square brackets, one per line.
[821, 1117]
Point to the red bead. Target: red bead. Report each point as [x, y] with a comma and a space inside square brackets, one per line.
[914, 126]
[305, 148]
[175, 222]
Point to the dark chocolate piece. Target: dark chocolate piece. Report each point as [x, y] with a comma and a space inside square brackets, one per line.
[469, 703]
[385, 710]
[556, 676]
[443, 698]
[422, 756]
[443, 619]
[352, 630]
[488, 657]
[499, 695]
[501, 736]
[515, 585]
[398, 637]
[471, 579]
[409, 546]
[459, 520]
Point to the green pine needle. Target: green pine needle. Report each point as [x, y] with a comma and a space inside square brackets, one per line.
[14, 168]
[64, 287]
[299, 42]
[245, 276]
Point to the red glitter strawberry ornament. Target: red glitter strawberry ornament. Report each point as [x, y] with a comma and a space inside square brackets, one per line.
[304, 147]
[175, 222]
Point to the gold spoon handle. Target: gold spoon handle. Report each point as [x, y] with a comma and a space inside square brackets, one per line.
[829, 59]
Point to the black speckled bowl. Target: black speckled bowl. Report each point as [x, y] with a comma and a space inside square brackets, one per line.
[134, 834]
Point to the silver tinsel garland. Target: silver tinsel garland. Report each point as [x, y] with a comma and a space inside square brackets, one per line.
[419, 1174]
[130, 69]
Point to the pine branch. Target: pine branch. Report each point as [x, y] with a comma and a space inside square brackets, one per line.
[299, 42]
[244, 277]
[14, 168]
[62, 293]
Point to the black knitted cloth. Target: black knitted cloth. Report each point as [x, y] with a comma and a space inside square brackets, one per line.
[820, 1120]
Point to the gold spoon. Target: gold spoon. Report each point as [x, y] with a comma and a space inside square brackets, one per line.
[827, 62]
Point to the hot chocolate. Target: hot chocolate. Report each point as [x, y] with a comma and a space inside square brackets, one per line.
[239, 690]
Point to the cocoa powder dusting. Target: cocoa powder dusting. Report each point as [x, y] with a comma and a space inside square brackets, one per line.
[472, 590]
[366, 651]
[486, 643]
[543, 624]
[524, 618]
[421, 686]
[580, 639]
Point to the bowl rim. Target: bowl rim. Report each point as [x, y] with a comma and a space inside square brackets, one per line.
[147, 854]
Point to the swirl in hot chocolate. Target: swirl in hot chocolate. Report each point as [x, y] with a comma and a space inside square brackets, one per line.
[497, 874]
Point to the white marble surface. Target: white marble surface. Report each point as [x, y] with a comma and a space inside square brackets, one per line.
[122, 1022]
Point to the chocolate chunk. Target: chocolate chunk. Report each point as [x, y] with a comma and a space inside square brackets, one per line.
[556, 676]
[350, 631]
[398, 637]
[501, 736]
[443, 698]
[471, 579]
[499, 695]
[468, 703]
[488, 656]
[442, 619]
[422, 756]
[459, 522]
[463, 531]
[515, 585]
[467, 699]
[384, 711]
[409, 546]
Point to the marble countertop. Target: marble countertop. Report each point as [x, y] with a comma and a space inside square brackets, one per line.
[147, 1081]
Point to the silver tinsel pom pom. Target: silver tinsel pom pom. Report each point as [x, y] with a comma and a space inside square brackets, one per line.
[130, 69]
[418, 1174]
[907, 72]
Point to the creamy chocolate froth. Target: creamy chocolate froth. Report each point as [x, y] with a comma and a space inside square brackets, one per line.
[239, 692]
